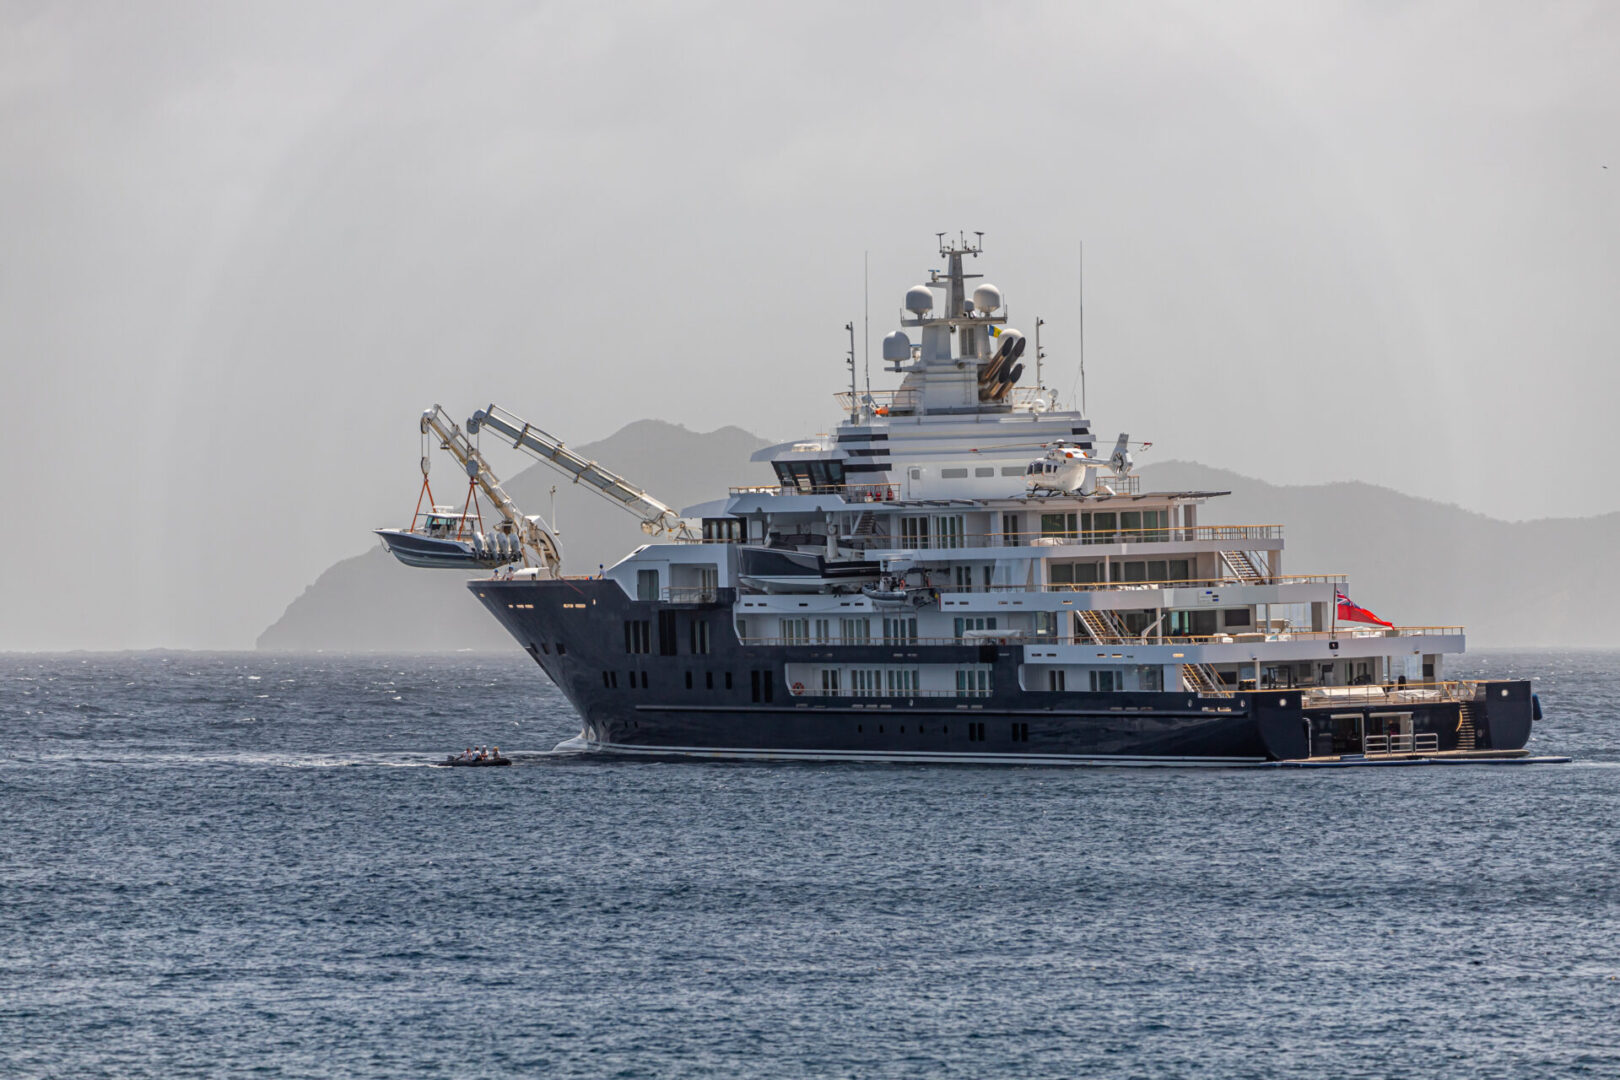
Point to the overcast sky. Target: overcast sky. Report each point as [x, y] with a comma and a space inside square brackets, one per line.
[242, 246]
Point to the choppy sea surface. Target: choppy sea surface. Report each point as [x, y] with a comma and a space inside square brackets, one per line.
[239, 864]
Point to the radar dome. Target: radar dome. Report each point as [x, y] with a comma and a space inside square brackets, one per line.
[896, 347]
[987, 298]
[919, 299]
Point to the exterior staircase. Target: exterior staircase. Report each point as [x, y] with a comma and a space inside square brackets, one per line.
[1242, 566]
[1103, 627]
[1202, 679]
[1465, 726]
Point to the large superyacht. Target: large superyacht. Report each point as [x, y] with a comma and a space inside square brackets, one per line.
[962, 571]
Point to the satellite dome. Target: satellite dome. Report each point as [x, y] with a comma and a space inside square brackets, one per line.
[987, 298]
[896, 347]
[919, 299]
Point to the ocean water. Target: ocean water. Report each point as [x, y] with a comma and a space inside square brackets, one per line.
[239, 865]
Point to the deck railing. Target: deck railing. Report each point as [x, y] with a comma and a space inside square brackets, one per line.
[809, 692]
[1422, 742]
[1173, 583]
[713, 594]
[1379, 694]
[850, 493]
[1015, 637]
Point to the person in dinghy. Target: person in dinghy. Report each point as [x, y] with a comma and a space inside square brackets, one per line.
[475, 757]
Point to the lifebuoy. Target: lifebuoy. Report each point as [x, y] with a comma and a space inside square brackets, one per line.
[798, 688]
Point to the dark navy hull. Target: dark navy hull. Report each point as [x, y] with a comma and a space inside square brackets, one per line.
[732, 701]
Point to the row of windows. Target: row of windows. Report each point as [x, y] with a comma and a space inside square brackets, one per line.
[896, 630]
[872, 682]
[610, 680]
[1101, 527]
[899, 682]
[964, 623]
[1018, 732]
[708, 680]
[936, 531]
[1091, 572]
[1107, 680]
[638, 635]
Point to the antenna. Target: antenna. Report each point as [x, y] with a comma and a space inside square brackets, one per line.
[1082, 265]
[854, 405]
[1040, 353]
[866, 318]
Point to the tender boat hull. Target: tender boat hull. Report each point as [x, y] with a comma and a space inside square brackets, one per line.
[435, 552]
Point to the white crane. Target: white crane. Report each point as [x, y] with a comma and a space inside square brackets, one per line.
[540, 546]
[657, 519]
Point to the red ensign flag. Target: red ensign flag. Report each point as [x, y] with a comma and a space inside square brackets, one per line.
[1349, 612]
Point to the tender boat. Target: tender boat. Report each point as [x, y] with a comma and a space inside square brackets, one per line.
[456, 761]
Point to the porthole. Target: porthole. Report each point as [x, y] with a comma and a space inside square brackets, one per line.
[1282, 701]
[1504, 691]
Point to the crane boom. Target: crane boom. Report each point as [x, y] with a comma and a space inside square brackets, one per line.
[656, 517]
[540, 545]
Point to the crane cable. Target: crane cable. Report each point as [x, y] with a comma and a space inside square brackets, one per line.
[426, 488]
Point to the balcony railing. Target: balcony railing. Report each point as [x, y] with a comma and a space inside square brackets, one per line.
[1020, 637]
[883, 402]
[850, 493]
[1176, 534]
[1381, 693]
[677, 594]
[1168, 583]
